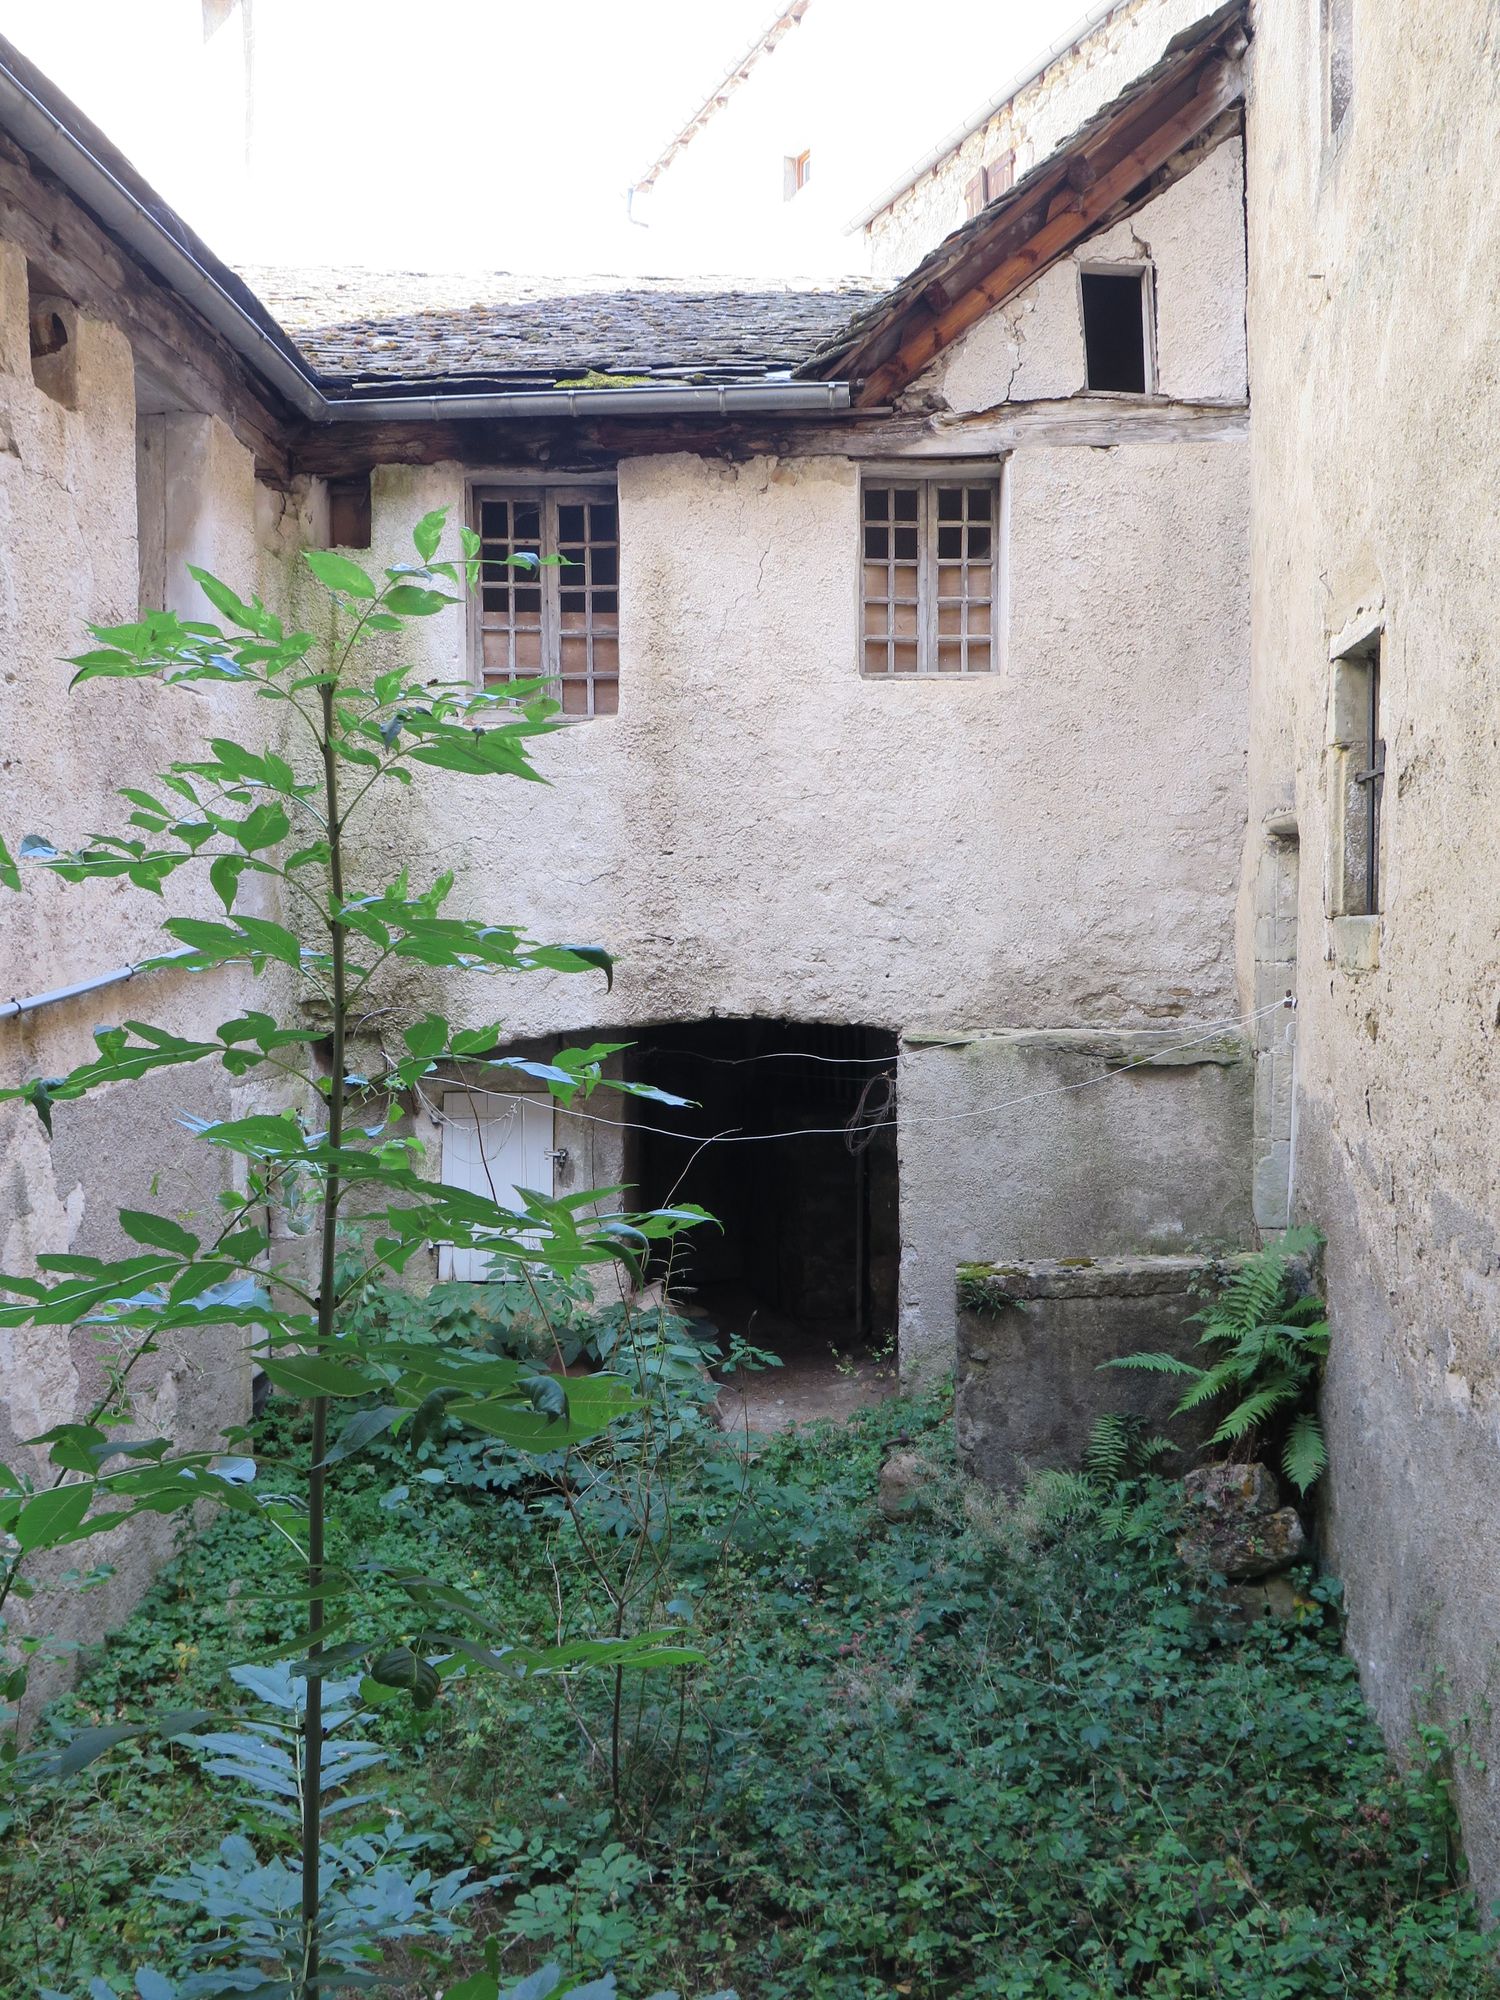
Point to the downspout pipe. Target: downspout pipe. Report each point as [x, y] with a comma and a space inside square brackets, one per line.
[12, 1008]
[70, 148]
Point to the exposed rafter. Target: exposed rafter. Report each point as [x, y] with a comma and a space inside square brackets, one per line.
[1124, 154]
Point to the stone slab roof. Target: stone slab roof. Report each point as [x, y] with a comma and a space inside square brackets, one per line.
[357, 326]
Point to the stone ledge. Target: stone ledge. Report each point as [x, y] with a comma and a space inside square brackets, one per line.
[1151, 1048]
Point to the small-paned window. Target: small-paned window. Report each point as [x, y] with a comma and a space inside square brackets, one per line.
[931, 554]
[796, 172]
[1116, 309]
[1357, 723]
[555, 617]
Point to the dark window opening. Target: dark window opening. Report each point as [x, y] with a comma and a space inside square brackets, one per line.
[1114, 330]
[806, 1262]
[1358, 696]
[54, 356]
[349, 513]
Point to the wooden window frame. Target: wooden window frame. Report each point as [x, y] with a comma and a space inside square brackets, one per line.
[796, 172]
[551, 579]
[927, 480]
[1145, 272]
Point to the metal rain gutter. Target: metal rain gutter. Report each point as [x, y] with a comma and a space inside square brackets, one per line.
[640, 400]
[10, 1008]
[1085, 25]
[43, 134]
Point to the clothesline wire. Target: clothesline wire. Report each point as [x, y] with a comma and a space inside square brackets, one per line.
[733, 1138]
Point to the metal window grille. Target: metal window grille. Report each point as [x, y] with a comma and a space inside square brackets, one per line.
[1369, 781]
[930, 555]
[559, 621]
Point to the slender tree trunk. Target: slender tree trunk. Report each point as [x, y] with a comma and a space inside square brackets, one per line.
[312, 1741]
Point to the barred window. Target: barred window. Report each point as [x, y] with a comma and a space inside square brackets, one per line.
[558, 620]
[930, 555]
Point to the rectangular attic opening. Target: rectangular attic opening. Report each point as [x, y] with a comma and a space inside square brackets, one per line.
[803, 1181]
[1116, 350]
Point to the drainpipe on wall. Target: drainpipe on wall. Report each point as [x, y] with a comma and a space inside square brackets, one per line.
[11, 1008]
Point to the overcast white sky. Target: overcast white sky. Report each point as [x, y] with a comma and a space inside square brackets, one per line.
[478, 134]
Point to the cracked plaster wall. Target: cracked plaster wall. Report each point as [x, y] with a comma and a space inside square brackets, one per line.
[69, 556]
[1376, 435]
[1192, 235]
[761, 832]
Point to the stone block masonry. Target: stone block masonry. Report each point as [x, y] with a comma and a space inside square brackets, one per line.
[1032, 1341]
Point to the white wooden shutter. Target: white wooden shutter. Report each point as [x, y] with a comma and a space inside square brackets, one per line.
[493, 1146]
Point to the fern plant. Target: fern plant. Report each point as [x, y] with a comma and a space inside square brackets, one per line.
[1269, 1341]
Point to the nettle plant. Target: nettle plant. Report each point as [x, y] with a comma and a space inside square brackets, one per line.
[285, 814]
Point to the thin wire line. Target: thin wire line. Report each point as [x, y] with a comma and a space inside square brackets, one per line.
[907, 1124]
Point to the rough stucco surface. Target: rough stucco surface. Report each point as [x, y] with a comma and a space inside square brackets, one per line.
[1034, 1143]
[1376, 435]
[1193, 237]
[68, 555]
[1032, 125]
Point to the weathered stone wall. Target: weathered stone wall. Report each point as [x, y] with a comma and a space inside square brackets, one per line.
[1037, 1143]
[69, 554]
[1074, 86]
[1377, 431]
[1034, 1343]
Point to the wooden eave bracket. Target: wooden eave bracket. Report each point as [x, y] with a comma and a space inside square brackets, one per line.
[1069, 200]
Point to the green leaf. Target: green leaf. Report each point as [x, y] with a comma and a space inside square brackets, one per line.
[407, 601]
[400, 1667]
[224, 874]
[1304, 1456]
[316, 1375]
[50, 1518]
[10, 875]
[223, 599]
[272, 940]
[590, 954]
[336, 572]
[428, 1037]
[429, 532]
[158, 1232]
[361, 1428]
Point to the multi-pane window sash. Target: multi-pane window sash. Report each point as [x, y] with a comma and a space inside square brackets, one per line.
[557, 621]
[930, 549]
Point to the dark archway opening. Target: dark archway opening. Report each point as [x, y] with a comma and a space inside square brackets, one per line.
[803, 1182]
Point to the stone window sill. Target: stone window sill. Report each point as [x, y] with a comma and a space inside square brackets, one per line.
[1356, 943]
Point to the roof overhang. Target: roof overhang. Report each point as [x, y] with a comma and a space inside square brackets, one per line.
[1125, 154]
[57, 135]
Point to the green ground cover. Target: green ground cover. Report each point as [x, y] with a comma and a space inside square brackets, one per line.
[978, 1753]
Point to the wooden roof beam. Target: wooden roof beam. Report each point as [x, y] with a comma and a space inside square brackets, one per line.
[1218, 86]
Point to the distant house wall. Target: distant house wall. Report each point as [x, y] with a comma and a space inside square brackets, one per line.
[1376, 433]
[77, 504]
[1030, 126]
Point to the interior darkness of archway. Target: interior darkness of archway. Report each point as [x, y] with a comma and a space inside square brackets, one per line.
[806, 1264]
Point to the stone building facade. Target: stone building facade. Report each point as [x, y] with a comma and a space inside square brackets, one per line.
[1373, 226]
[1229, 733]
[983, 845]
